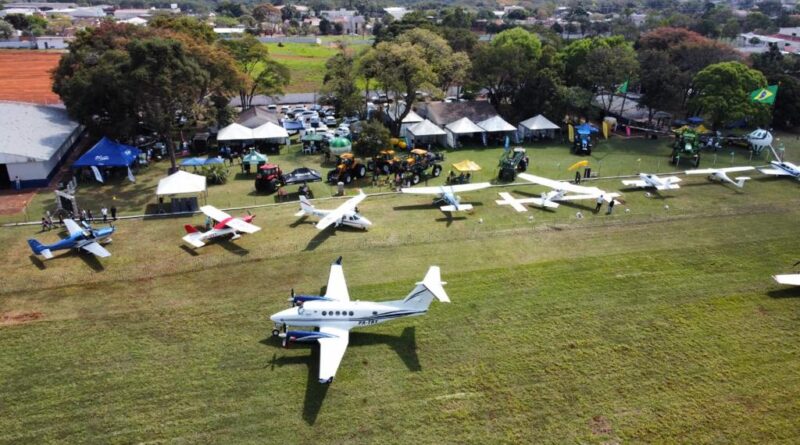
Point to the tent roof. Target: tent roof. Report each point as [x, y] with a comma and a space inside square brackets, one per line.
[466, 166]
[539, 122]
[270, 131]
[495, 124]
[442, 113]
[107, 153]
[412, 117]
[426, 128]
[254, 157]
[235, 132]
[255, 117]
[463, 126]
[181, 182]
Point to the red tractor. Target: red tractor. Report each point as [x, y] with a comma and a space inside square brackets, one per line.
[269, 178]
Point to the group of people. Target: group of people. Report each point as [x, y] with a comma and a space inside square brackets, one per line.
[85, 216]
[599, 205]
[462, 178]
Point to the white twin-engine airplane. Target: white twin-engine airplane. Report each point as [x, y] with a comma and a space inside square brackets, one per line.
[346, 214]
[721, 174]
[559, 193]
[334, 314]
[781, 168]
[446, 194]
[647, 180]
[226, 225]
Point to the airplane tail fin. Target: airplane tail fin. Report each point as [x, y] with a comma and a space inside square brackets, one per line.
[189, 228]
[305, 207]
[40, 249]
[426, 290]
[740, 181]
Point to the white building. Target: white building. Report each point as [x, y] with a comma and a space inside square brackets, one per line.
[397, 12]
[351, 22]
[33, 141]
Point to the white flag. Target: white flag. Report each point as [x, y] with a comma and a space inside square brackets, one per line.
[130, 176]
[97, 174]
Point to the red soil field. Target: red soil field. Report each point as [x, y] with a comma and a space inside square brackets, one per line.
[25, 76]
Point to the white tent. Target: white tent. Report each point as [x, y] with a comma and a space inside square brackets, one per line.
[538, 126]
[425, 132]
[235, 132]
[410, 120]
[181, 183]
[461, 127]
[496, 124]
[270, 131]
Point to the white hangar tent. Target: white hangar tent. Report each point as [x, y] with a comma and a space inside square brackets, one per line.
[235, 132]
[538, 126]
[184, 188]
[34, 140]
[461, 127]
[425, 132]
[497, 127]
[410, 120]
[271, 132]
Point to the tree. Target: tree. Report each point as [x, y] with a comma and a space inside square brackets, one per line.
[607, 67]
[659, 82]
[340, 83]
[450, 68]
[731, 29]
[374, 136]
[324, 27]
[457, 18]
[185, 25]
[723, 93]
[782, 71]
[264, 75]
[6, 30]
[116, 77]
[502, 65]
[757, 21]
[575, 56]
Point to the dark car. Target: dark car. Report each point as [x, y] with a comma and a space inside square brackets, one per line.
[302, 174]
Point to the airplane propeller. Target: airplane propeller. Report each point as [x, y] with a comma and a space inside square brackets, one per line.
[292, 298]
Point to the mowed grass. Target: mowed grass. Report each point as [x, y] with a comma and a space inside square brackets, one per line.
[306, 63]
[654, 325]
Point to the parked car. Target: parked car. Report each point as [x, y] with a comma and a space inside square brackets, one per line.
[284, 108]
[330, 121]
[272, 107]
[302, 174]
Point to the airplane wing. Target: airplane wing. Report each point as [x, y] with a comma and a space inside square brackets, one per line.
[672, 179]
[331, 351]
[214, 213]
[194, 240]
[774, 172]
[710, 171]
[635, 183]
[460, 208]
[72, 226]
[791, 280]
[509, 199]
[422, 190]
[557, 185]
[337, 286]
[468, 187]
[335, 215]
[96, 249]
[242, 226]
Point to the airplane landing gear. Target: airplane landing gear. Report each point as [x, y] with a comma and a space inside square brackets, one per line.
[276, 331]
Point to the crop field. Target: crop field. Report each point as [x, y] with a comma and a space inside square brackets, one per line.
[659, 324]
[26, 76]
[306, 63]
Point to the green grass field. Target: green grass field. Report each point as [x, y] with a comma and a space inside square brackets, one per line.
[306, 63]
[656, 325]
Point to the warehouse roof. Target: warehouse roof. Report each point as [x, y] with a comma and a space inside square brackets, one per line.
[32, 133]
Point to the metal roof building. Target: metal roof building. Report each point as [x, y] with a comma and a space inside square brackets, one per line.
[33, 141]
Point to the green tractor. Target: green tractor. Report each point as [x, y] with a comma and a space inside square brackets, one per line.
[687, 145]
[512, 161]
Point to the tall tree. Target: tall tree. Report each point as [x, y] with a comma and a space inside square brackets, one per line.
[340, 82]
[723, 93]
[502, 65]
[264, 75]
[374, 136]
[659, 81]
[608, 67]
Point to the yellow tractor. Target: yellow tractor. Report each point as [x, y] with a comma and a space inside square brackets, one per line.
[419, 161]
[385, 162]
[347, 168]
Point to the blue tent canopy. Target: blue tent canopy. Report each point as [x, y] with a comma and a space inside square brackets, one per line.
[695, 120]
[216, 160]
[586, 129]
[192, 162]
[107, 153]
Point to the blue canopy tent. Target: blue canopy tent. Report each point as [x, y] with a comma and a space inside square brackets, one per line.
[193, 162]
[694, 120]
[107, 153]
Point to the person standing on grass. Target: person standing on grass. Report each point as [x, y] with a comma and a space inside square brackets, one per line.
[60, 220]
[17, 183]
[114, 213]
[577, 177]
[599, 204]
[610, 207]
[83, 215]
[89, 215]
[104, 213]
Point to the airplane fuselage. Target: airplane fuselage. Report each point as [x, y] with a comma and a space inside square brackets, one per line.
[788, 167]
[345, 314]
[77, 240]
[351, 219]
[218, 233]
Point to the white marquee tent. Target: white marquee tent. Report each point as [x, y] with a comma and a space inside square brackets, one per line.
[411, 119]
[181, 183]
[425, 131]
[496, 124]
[538, 126]
[235, 132]
[270, 131]
[461, 127]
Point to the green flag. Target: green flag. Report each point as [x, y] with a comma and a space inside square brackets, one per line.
[622, 89]
[765, 95]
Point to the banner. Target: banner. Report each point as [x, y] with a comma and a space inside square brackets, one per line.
[622, 89]
[605, 129]
[130, 176]
[764, 95]
[507, 143]
[485, 140]
[97, 174]
[571, 133]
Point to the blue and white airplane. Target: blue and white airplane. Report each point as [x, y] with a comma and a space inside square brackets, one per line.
[446, 194]
[334, 314]
[83, 238]
[781, 168]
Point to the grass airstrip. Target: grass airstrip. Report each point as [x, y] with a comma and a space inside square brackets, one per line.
[656, 325]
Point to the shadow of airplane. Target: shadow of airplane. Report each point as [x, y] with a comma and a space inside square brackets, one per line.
[791, 292]
[189, 250]
[405, 346]
[232, 247]
[37, 262]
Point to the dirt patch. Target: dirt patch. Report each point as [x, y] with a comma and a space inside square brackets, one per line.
[25, 76]
[12, 318]
[600, 426]
[13, 202]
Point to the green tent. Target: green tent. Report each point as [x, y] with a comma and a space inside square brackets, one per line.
[254, 158]
[340, 145]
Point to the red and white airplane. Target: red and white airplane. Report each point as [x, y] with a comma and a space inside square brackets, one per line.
[226, 225]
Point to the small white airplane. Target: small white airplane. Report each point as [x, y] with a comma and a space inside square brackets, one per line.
[226, 225]
[721, 174]
[559, 193]
[647, 180]
[346, 214]
[334, 314]
[781, 168]
[446, 194]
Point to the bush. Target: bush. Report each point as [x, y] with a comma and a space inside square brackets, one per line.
[215, 173]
